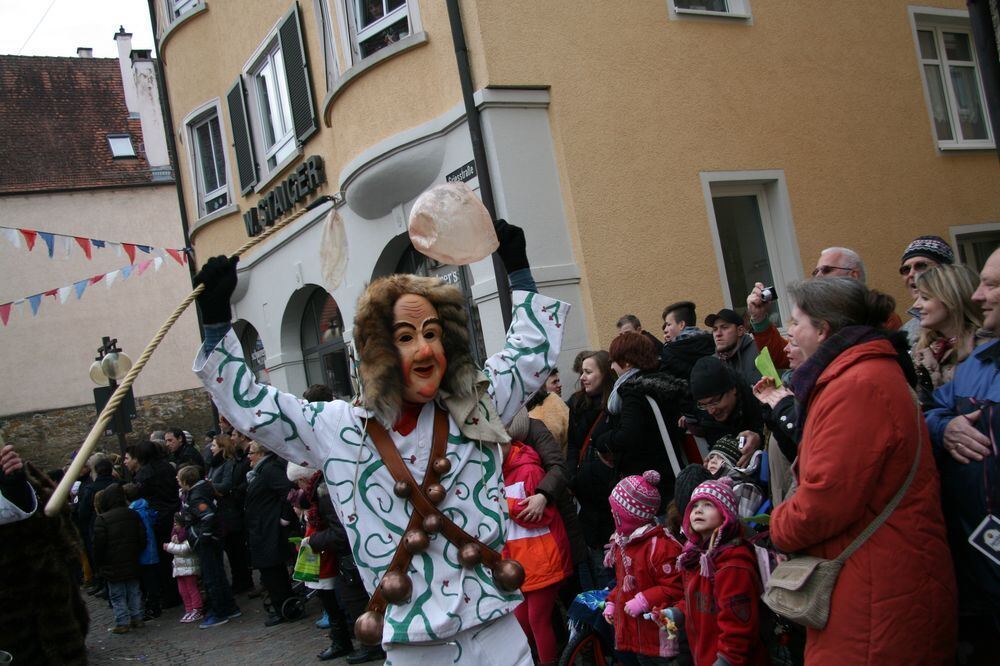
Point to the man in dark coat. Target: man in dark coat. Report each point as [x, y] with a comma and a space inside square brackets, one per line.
[728, 407]
[267, 493]
[684, 342]
[102, 467]
[182, 452]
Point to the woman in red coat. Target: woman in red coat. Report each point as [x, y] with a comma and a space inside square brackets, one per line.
[895, 600]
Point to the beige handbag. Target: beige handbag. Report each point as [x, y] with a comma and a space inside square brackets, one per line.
[800, 589]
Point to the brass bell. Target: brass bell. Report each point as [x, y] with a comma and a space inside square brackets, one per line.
[368, 628]
[415, 541]
[435, 493]
[442, 466]
[396, 587]
[402, 489]
[433, 523]
[470, 555]
[509, 575]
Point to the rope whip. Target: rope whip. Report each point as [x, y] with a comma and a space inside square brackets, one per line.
[61, 494]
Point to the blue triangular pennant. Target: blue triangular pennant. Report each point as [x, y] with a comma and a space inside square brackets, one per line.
[145, 248]
[126, 271]
[35, 301]
[50, 241]
[97, 243]
[80, 286]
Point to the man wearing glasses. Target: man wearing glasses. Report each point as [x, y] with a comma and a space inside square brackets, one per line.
[923, 254]
[832, 262]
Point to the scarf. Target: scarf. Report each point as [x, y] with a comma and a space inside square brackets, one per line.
[805, 377]
[313, 519]
[705, 551]
[614, 400]
[617, 550]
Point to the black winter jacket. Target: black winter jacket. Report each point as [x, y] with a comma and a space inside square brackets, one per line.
[633, 437]
[119, 539]
[591, 480]
[201, 510]
[267, 499]
[157, 483]
[679, 356]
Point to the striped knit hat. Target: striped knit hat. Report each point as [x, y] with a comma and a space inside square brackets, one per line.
[703, 550]
[635, 501]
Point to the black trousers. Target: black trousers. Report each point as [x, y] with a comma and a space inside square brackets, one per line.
[277, 584]
[169, 595]
[238, 553]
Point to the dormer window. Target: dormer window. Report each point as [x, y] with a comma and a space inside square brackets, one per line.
[121, 145]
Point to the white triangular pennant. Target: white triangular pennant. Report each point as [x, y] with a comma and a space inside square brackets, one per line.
[110, 278]
[67, 243]
[13, 236]
[19, 306]
[117, 246]
[157, 262]
[64, 293]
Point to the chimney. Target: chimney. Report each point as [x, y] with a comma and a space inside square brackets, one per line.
[85, 52]
[124, 40]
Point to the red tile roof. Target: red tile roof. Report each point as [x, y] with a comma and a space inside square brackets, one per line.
[55, 117]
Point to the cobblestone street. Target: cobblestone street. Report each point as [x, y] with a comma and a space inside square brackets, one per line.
[244, 640]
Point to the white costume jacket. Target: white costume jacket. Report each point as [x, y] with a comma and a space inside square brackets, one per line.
[447, 598]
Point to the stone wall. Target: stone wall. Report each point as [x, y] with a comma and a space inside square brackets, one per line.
[48, 438]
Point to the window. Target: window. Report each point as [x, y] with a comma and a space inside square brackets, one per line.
[209, 161]
[180, 7]
[324, 24]
[271, 106]
[723, 8]
[270, 92]
[753, 235]
[975, 243]
[323, 349]
[121, 145]
[952, 82]
[376, 24]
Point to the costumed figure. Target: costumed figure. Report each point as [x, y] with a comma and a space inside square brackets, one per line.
[413, 465]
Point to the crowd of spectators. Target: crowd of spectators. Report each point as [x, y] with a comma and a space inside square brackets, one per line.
[676, 473]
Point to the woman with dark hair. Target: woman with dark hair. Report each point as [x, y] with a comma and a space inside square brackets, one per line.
[632, 440]
[228, 473]
[157, 482]
[590, 476]
[863, 434]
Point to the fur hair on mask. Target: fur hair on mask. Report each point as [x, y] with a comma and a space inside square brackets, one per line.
[379, 368]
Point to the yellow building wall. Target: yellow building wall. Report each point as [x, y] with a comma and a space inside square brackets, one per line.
[829, 92]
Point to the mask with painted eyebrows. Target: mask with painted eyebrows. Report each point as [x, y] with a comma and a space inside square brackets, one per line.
[416, 333]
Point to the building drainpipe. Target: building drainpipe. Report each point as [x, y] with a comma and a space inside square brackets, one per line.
[168, 124]
[989, 61]
[478, 149]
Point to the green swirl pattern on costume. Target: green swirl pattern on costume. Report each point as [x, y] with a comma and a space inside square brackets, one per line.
[329, 436]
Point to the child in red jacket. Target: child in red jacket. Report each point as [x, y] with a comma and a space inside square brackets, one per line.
[541, 546]
[721, 585]
[643, 556]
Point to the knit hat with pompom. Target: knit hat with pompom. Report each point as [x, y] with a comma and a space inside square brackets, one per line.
[635, 501]
[703, 548]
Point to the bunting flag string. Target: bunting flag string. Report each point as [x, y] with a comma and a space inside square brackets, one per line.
[62, 294]
[15, 236]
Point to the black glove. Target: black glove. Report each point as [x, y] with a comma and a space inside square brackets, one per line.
[513, 249]
[219, 277]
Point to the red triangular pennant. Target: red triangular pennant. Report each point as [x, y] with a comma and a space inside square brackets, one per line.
[96, 279]
[52, 292]
[84, 244]
[5, 312]
[29, 237]
[130, 251]
[176, 254]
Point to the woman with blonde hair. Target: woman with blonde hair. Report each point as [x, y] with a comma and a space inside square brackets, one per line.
[949, 320]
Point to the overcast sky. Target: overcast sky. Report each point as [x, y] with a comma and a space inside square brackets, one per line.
[69, 24]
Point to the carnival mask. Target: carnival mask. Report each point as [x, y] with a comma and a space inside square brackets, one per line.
[416, 332]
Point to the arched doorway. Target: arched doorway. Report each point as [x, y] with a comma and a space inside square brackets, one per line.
[253, 350]
[324, 352]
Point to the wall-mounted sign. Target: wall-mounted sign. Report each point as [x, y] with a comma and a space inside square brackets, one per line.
[281, 199]
[464, 173]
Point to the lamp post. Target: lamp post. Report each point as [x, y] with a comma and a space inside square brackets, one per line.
[110, 365]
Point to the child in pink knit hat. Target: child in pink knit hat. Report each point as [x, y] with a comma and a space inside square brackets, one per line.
[719, 610]
[643, 556]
